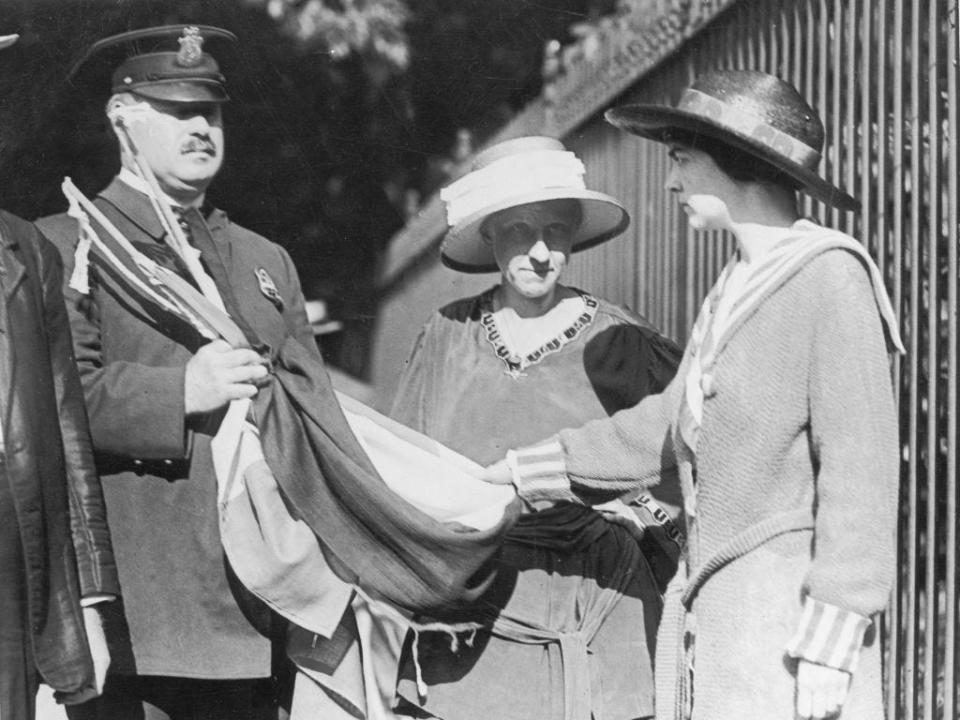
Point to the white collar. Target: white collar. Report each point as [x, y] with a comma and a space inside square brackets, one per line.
[755, 241]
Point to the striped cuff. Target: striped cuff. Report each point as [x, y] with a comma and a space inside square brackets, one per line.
[540, 472]
[828, 635]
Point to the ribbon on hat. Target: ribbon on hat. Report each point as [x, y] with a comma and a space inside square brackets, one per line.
[744, 123]
[510, 177]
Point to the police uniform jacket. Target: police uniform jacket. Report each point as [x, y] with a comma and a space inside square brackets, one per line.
[48, 464]
[184, 613]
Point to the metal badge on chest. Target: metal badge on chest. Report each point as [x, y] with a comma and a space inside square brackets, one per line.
[269, 288]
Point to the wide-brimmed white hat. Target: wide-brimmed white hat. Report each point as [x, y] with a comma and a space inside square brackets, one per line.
[7, 40]
[519, 172]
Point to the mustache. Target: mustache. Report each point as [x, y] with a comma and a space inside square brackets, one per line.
[198, 144]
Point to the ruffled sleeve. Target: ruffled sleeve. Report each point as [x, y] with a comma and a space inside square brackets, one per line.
[625, 363]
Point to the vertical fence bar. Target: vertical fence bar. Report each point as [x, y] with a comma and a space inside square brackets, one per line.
[914, 304]
[809, 76]
[930, 111]
[847, 150]
[768, 37]
[950, 679]
[637, 182]
[863, 78]
[835, 138]
[879, 153]
[882, 154]
[906, 706]
[823, 98]
[784, 65]
[937, 481]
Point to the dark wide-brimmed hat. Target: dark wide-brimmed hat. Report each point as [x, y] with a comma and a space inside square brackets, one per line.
[521, 172]
[166, 63]
[751, 111]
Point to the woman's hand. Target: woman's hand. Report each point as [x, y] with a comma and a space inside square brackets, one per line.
[821, 690]
[497, 474]
[618, 512]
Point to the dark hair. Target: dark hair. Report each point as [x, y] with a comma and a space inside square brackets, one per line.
[738, 164]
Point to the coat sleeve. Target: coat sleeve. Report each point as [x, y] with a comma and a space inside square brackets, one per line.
[88, 523]
[295, 311]
[632, 449]
[135, 410]
[854, 441]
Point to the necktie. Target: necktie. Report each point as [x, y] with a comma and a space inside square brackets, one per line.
[198, 235]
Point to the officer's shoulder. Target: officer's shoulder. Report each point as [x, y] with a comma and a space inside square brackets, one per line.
[14, 224]
[28, 236]
[58, 228]
[60, 231]
[249, 241]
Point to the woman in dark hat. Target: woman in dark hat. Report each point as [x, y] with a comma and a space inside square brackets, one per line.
[780, 421]
[569, 625]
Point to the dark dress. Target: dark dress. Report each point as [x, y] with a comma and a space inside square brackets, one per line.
[563, 571]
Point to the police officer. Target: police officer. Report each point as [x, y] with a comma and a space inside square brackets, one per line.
[188, 641]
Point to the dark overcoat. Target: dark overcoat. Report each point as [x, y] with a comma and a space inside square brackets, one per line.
[57, 500]
[184, 613]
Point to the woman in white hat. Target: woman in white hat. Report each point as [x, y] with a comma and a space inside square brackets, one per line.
[569, 623]
[780, 420]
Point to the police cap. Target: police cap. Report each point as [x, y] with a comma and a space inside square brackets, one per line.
[165, 63]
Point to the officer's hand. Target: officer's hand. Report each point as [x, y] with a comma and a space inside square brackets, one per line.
[821, 690]
[218, 374]
[97, 642]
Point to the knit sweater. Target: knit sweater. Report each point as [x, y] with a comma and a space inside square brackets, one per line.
[791, 509]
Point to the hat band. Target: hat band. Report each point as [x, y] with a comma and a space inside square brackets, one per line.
[512, 177]
[743, 123]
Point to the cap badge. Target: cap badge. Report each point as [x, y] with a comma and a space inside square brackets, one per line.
[191, 47]
[269, 288]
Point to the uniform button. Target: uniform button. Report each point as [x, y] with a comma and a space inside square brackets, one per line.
[708, 385]
[168, 462]
[138, 463]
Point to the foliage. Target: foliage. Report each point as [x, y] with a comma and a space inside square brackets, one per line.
[356, 26]
[343, 113]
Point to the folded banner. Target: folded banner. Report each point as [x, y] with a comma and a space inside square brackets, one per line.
[369, 533]
[278, 557]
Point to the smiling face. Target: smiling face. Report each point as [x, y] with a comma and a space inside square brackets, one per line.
[708, 195]
[181, 142]
[531, 244]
